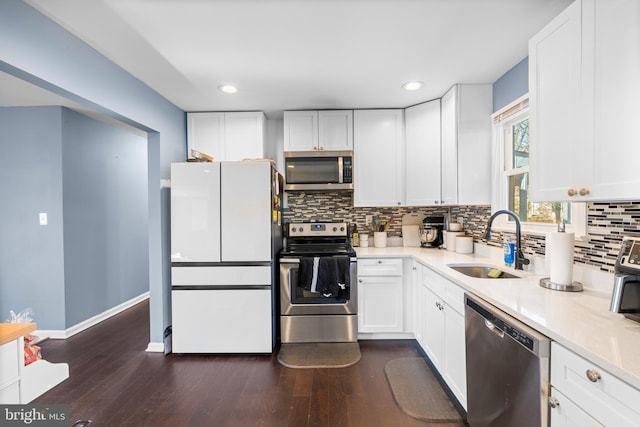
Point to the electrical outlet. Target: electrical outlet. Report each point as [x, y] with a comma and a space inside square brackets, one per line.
[43, 218]
[368, 219]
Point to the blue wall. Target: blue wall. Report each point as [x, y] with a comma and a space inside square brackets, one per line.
[37, 50]
[104, 176]
[512, 85]
[31, 255]
[91, 180]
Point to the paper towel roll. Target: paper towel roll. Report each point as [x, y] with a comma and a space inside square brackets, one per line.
[559, 255]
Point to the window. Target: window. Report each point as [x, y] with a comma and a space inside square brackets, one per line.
[511, 177]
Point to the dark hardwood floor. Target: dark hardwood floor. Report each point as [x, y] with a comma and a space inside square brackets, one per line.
[114, 382]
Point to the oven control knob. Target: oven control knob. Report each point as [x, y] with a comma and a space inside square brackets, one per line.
[293, 229]
[300, 229]
[335, 229]
[341, 228]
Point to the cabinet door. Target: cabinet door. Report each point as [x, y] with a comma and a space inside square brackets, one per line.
[300, 130]
[455, 369]
[616, 56]
[568, 414]
[244, 135]
[433, 329]
[449, 186]
[205, 133]
[380, 304]
[559, 149]
[335, 130]
[422, 138]
[474, 144]
[378, 152]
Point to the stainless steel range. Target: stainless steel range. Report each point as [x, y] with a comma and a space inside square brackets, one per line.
[318, 292]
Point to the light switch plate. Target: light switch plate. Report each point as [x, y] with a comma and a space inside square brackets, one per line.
[43, 218]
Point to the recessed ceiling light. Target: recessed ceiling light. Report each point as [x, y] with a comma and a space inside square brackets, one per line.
[228, 88]
[412, 85]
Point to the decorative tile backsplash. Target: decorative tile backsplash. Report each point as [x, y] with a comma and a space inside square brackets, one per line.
[607, 223]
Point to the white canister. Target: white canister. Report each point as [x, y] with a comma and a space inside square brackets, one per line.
[450, 239]
[380, 239]
[364, 240]
[464, 244]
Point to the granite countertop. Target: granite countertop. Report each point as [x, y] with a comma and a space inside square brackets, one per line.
[580, 321]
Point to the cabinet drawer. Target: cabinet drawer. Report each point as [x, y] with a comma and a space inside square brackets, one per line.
[454, 297]
[433, 281]
[380, 267]
[9, 361]
[608, 399]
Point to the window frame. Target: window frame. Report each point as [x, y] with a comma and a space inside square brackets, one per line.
[502, 121]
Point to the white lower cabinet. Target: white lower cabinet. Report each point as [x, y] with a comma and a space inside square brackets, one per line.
[583, 394]
[441, 305]
[565, 413]
[380, 295]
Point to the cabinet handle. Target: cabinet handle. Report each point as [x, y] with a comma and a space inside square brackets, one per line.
[583, 191]
[593, 375]
[571, 192]
[553, 402]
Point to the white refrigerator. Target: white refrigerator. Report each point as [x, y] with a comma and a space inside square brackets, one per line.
[225, 236]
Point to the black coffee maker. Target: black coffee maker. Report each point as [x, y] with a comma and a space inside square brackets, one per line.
[431, 235]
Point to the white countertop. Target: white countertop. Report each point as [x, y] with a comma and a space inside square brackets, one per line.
[580, 321]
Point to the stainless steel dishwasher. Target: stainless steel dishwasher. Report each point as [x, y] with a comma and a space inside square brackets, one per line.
[507, 369]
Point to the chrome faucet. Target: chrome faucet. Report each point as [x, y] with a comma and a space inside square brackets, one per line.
[520, 260]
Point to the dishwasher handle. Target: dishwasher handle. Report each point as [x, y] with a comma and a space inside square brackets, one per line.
[503, 325]
[493, 328]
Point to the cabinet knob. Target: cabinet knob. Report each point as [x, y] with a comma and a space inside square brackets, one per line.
[436, 202]
[321, 148]
[379, 261]
[571, 192]
[583, 191]
[553, 402]
[359, 280]
[315, 148]
[593, 375]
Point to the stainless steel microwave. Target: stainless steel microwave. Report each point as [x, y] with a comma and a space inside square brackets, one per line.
[318, 170]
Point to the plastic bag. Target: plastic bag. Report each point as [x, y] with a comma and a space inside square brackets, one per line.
[25, 316]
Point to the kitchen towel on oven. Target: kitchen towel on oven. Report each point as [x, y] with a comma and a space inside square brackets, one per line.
[326, 275]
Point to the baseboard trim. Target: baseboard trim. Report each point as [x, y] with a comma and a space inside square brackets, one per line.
[86, 324]
[155, 347]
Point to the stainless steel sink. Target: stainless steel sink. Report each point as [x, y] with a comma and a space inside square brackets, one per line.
[481, 271]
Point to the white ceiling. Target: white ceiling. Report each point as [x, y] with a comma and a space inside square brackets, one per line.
[305, 54]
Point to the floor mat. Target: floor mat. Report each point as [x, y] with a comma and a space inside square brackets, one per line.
[418, 393]
[319, 355]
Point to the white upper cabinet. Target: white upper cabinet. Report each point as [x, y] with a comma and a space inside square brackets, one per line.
[584, 92]
[422, 164]
[330, 130]
[378, 157]
[300, 130]
[227, 135]
[335, 130]
[466, 145]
